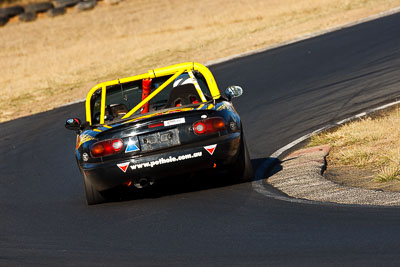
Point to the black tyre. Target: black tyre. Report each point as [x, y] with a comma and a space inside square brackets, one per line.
[11, 11]
[3, 20]
[242, 170]
[65, 3]
[86, 5]
[92, 195]
[26, 17]
[56, 11]
[38, 7]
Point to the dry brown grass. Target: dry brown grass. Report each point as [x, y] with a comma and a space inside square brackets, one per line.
[50, 62]
[368, 143]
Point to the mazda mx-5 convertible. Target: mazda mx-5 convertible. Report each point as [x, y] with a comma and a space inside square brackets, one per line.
[167, 122]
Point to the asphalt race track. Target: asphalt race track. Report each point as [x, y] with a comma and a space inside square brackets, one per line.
[289, 91]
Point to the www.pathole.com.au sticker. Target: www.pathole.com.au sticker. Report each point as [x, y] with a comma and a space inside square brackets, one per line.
[124, 166]
[160, 161]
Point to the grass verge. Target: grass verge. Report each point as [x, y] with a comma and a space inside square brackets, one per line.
[370, 143]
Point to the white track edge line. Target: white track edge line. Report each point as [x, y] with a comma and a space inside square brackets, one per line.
[259, 173]
[357, 116]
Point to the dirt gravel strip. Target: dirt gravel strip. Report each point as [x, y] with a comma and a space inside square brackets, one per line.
[301, 177]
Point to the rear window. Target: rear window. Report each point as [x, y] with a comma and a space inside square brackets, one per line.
[121, 98]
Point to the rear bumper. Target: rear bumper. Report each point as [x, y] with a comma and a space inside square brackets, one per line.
[221, 151]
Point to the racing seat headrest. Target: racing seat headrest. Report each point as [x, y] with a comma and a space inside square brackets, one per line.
[182, 95]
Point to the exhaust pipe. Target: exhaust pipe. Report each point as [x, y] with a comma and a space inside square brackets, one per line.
[143, 182]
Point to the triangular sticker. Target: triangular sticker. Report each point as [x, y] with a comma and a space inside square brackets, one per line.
[131, 147]
[210, 149]
[123, 166]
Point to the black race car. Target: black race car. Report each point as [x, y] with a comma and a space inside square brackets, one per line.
[166, 122]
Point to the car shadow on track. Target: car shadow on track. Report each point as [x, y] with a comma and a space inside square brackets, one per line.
[178, 185]
[265, 167]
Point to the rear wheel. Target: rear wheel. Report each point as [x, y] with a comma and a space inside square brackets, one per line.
[242, 170]
[92, 195]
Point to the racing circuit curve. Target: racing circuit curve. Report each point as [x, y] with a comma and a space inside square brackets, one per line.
[288, 92]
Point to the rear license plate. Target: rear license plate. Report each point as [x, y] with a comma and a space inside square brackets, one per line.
[159, 140]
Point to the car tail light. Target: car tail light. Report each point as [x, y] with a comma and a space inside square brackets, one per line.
[211, 125]
[106, 148]
[156, 125]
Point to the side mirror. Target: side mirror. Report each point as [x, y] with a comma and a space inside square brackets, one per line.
[233, 91]
[73, 124]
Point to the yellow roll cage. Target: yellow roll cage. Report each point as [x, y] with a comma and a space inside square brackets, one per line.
[174, 70]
